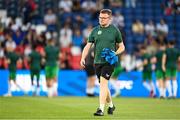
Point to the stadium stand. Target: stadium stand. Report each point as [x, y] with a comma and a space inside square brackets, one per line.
[28, 20]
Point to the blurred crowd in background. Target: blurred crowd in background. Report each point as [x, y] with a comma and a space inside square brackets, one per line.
[25, 23]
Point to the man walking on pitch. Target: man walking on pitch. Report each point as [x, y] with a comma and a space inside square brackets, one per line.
[51, 68]
[170, 59]
[160, 74]
[105, 38]
[90, 70]
[12, 58]
[35, 68]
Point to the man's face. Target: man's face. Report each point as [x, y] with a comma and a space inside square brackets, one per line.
[104, 19]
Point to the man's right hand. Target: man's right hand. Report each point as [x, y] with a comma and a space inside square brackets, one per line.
[164, 68]
[84, 54]
[82, 63]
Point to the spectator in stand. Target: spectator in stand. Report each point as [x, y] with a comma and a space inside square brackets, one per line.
[1, 51]
[76, 6]
[40, 40]
[99, 5]
[1, 56]
[27, 51]
[168, 7]
[106, 3]
[86, 32]
[18, 36]
[151, 44]
[78, 22]
[65, 58]
[150, 28]
[65, 39]
[50, 17]
[130, 3]
[9, 43]
[115, 3]
[162, 28]
[118, 20]
[128, 62]
[65, 6]
[77, 38]
[1, 33]
[30, 37]
[177, 6]
[138, 27]
[28, 10]
[88, 5]
[161, 38]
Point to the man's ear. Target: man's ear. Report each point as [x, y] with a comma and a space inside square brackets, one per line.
[111, 18]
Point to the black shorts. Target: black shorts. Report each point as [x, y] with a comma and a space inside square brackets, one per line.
[104, 70]
[90, 70]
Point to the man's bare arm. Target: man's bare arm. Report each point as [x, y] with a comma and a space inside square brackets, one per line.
[85, 53]
[120, 49]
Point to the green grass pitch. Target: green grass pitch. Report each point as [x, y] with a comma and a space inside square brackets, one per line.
[79, 108]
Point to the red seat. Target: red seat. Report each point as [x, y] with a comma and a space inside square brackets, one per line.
[19, 64]
[26, 63]
[1, 62]
[40, 49]
[5, 64]
[20, 49]
[75, 62]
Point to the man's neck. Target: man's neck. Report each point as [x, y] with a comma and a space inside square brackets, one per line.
[105, 25]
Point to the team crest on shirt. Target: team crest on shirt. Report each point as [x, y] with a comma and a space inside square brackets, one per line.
[99, 32]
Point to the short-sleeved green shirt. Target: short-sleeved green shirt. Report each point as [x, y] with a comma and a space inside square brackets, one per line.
[159, 56]
[104, 37]
[172, 55]
[148, 66]
[13, 57]
[51, 55]
[35, 61]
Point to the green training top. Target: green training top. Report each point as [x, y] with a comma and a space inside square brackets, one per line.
[104, 37]
[172, 55]
[13, 57]
[35, 60]
[159, 56]
[148, 66]
[51, 55]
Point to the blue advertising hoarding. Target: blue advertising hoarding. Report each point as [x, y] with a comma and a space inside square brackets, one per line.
[73, 83]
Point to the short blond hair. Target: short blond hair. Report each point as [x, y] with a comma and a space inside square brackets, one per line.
[106, 11]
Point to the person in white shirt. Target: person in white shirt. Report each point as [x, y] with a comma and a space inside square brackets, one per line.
[150, 28]
[9, 44]
[87, 31]
[65, 5]
[88, 5]
[50, 17]
[162, 28]
[118, 20]
[65, 39]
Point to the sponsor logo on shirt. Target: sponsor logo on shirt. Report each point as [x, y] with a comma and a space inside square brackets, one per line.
[99, 32]
[107, 75]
